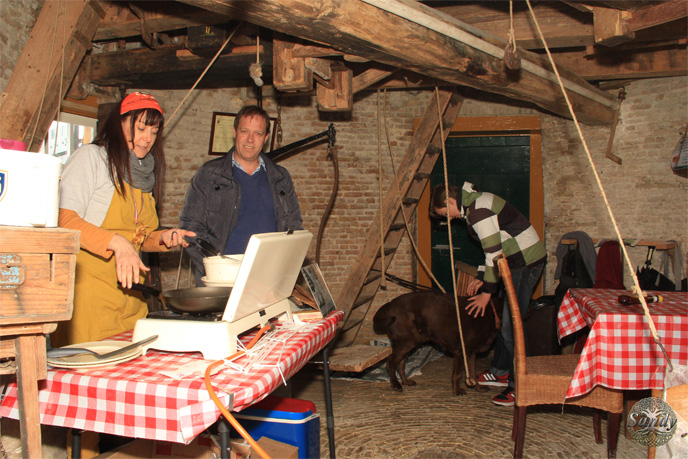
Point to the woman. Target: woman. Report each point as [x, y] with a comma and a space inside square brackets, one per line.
[108, 191]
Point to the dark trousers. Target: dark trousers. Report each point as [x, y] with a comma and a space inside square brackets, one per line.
[524, 281]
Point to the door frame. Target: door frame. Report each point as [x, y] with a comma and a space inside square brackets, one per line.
[481, 126]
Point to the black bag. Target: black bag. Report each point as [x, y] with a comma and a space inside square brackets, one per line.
[651, 279]
[574, 274]
[540, 325]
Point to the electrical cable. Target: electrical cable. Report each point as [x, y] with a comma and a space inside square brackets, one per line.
[211, 391]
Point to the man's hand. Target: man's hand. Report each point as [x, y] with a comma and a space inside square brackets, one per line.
[477, 304]
[127, 260]
[474, 286]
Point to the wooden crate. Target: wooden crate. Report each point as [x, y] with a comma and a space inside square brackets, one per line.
[37, 274]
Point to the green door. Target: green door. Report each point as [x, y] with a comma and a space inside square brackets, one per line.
[496, 164]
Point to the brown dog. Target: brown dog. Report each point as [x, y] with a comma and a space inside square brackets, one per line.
[416, 318]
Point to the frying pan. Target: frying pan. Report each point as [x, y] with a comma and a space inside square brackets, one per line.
[195, 300]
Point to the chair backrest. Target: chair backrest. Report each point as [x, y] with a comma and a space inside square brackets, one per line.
[519, 338]
[465, 273]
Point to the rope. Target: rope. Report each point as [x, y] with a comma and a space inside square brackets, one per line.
[212, 61]
[383, 279]
[469, 381]
[428, 271]
[636, 286]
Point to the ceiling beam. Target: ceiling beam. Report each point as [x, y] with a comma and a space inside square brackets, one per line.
[618, 64]
[354, 26]
[45, 69]
[658, 14]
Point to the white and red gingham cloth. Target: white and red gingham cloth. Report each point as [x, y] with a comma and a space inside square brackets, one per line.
[620, 352]
[134, 400]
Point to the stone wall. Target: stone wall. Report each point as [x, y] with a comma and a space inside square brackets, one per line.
[17, 18]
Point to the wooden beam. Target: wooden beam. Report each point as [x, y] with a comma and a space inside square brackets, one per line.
[340, 97]
[658, 14]
[369, 78]
[46, 67]
[610, 26]
[451, 50]
[619, 64]
[153, 68]
[121, 22]
[289, 73]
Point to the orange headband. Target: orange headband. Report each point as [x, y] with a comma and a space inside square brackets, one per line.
[137, 101]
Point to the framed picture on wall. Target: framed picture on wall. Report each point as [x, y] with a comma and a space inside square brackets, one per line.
[222, 134]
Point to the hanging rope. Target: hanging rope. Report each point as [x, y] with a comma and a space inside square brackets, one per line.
[212, 61]
[511, 57]
[469, 381]
[636, 286]
[383, 279]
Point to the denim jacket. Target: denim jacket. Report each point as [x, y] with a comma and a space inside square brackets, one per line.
[212, 203]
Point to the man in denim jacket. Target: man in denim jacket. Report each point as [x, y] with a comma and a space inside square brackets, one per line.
[240, 194]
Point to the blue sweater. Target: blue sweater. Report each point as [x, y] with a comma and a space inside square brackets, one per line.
[257, 210]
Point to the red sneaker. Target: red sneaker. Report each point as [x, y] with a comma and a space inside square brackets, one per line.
[506, 398]
[488, 379]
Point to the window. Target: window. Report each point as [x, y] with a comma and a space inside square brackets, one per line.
[65, 136]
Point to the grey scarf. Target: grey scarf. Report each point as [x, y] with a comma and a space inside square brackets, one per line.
[142, 172]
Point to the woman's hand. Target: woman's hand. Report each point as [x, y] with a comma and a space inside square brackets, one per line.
[477, 304]
[127, 260]
[175, 237]
[473, 287]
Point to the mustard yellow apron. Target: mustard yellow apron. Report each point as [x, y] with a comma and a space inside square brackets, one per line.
[101, 307]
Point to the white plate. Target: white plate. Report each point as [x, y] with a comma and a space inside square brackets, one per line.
[90, 361]
[209, 283]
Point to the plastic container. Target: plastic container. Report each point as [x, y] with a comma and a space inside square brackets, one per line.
[218, 269]
[29, 189]
[288, 420]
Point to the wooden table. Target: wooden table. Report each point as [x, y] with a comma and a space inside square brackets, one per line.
[136, 399]
[37, 268]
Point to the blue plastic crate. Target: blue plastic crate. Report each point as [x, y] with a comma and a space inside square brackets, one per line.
[288, 420]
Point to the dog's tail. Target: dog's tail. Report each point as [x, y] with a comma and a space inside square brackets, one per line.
[383, 320]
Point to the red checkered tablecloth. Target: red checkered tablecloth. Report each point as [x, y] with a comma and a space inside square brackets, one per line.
[619, 352]
[134, 399]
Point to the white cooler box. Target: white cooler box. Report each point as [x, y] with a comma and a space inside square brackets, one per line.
[29, 189]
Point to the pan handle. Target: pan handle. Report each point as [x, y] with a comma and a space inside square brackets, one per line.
[145, 289]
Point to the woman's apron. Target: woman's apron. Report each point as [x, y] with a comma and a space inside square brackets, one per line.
[101, 307]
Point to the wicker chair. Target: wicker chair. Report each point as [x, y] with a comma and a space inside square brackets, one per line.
[543, 380]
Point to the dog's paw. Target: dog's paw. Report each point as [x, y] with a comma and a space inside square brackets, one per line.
[460, 391]
[480, 388]
[397, 387]
[471, 384]
[409, 382]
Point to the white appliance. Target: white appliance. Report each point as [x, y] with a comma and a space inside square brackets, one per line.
[29, 189]
[265, 281]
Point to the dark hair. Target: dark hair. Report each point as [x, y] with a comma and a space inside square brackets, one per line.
[250, 111]
[111, 137]
[438, 198]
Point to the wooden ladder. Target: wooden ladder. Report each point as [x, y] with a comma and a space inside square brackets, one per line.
[366, 274]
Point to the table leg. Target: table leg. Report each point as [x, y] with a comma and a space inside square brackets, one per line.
[223, 433]
[328, 401]
[76, 444]
[27, 351]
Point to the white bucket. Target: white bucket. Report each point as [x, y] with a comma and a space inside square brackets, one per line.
[218, 269]
[29, 189]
